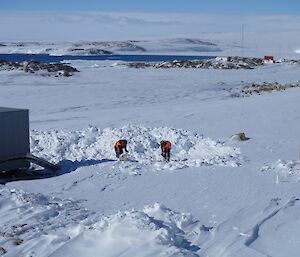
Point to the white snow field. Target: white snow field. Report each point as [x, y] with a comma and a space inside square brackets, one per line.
[218, 196]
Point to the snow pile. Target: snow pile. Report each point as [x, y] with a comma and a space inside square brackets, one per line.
[155, 231]
[34, 224]
[189, 149]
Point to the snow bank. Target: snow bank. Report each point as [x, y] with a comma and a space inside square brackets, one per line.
[134, 233]
[189, 149]
[36, 225]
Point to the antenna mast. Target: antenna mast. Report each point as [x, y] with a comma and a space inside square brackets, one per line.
[243, 25]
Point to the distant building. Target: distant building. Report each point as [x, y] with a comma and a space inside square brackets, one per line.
[269, 58]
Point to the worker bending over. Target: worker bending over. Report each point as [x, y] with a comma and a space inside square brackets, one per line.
[165, 146]
[119, 146]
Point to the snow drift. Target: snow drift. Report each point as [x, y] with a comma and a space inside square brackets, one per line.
[154, 231]
[189, 149]
[37, 225]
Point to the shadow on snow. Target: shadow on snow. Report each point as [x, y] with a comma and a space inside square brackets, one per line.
[65, 166]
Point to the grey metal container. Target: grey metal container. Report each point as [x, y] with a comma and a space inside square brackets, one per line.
[14, 137]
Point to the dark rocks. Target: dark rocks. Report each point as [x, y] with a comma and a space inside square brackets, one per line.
[195, 41]
[257, 89]
[90, 51]
[6, 65]
[98, 52]
[18, 241]
[105, 47]
[139, 65]
[226, 63]
[44, 69]
[76, 49]
[2, 250]
[294, 61]
[47, 50]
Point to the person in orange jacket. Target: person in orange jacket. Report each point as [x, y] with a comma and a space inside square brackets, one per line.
[165, 146]
[119, 146]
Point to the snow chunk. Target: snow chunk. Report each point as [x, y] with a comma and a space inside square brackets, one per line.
[283, 169]
[288, 167]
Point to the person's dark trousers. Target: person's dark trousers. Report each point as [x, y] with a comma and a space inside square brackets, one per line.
[166, 154]
[118, 151]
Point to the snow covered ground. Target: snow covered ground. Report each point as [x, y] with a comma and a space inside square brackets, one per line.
[217, 197]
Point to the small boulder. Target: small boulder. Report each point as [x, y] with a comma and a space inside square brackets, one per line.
[2, 250]
[240, 137]
[18, 241]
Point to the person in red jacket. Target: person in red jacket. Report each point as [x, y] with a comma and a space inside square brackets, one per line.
[119, 146]
[165, 146]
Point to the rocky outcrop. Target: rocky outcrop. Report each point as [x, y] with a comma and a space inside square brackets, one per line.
[294, 61]
[139, 65]
[44, 69]
[195, 41]
[108, 47]
[257, 89]
[90, 51]
[214, 63]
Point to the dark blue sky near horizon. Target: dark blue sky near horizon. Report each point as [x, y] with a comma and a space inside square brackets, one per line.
[201, 6]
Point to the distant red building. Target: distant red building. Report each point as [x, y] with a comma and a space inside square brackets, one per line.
[269, 58]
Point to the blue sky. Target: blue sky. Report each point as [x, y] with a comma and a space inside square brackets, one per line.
[203, 6]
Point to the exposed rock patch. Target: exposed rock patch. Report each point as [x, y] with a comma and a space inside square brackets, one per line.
[2, 250]
[214, 63]
[294, 61]
[44, 69]
[91, 48]
[257, 89]
[91, 51]
[193, 41]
